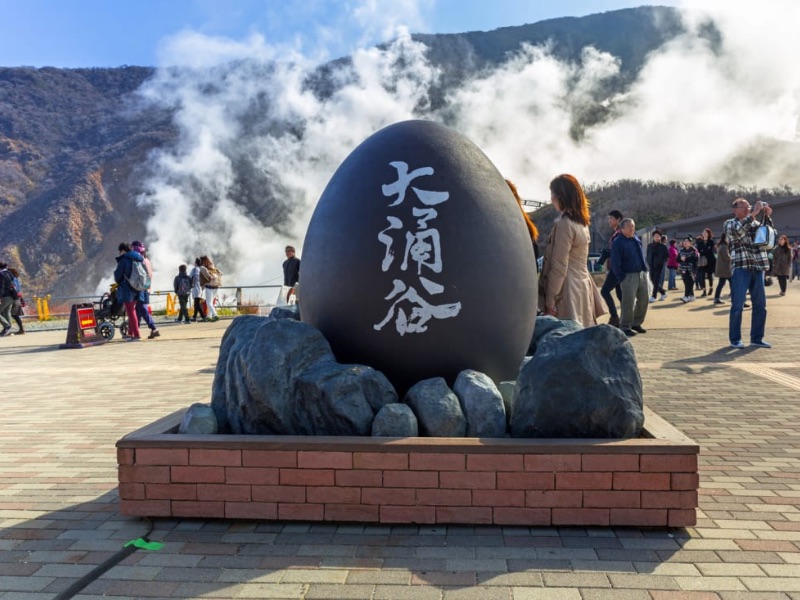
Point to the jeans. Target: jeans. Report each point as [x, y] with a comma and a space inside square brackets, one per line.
[633, 307]
[672, 277]
[743, 281]
[144, 314]
[795, 270]
[609, 284]
[720, 285]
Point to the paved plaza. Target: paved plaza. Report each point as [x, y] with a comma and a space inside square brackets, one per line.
[63, 410]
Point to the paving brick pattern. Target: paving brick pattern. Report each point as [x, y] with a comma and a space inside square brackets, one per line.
[63, 410]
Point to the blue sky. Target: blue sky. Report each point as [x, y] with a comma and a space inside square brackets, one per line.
[110, 33]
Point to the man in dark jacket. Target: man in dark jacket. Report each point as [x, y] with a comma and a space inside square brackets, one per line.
[125, 293]
[657, 257]
[6, 298]
[611, 283]
[291, 270]
[630, 269]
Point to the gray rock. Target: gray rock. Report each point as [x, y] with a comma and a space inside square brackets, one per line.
[395, 420]
[482, 404]
[290, 311]
[260, 359]
[548, 327]
[437, 409]
[582, 385]
[199, 419]
[334, 399]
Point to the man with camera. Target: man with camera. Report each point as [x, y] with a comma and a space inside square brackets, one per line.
[750, 263]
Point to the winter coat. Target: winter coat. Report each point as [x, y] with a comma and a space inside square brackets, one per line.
[687, 266]
[672, 263]
[724, 267]
[657, 256]
[565, 278]
[782, 261]
[706, 248]
[197, 292]
[125, 293]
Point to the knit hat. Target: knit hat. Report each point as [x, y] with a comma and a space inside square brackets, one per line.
[138, 246]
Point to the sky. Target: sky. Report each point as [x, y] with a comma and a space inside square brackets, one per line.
[112, 33]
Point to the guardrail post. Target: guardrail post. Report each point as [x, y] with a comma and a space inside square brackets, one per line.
[238, 299]
[43, 307]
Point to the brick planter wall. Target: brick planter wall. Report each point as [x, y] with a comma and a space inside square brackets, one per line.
[650, 481]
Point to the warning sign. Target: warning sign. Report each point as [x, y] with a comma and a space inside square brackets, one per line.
[82, 329]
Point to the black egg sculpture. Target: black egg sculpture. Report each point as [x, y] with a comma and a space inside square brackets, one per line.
[417, 261]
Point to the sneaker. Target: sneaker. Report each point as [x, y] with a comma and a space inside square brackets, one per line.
[19, 332]
[761, 344]
[133, 339]
[738, 344]
[691, 299]
[629, 332]
[782, 294]
[5, 332]
[614, 321]
[639, 329]
[652, 299]
[685, 299]
[718, 301]
[154, 334]
[214, 319]
[663, 297]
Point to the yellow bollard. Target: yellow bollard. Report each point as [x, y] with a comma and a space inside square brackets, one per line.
[43, 307]
[171, 302]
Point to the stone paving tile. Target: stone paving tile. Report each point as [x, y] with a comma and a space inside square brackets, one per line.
[396, 592]
[550, 593]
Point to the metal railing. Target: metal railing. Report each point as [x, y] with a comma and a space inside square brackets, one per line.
[166, 301]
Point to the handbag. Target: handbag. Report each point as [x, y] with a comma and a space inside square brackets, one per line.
[702, 261]
[766, 237]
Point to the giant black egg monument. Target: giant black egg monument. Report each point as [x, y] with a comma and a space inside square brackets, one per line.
[417, 261]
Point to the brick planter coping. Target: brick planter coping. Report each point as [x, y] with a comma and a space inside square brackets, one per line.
[646, 481]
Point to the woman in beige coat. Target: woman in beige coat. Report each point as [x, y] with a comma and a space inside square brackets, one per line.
[568, 289]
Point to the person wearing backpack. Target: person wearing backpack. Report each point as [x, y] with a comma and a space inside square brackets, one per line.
[126, 294]
[183, 287]
[143, 305]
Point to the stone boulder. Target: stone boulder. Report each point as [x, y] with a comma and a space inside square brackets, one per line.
[199, 419]
[290, 311]
[582, 385]
[334, 399]
[395, 420]
[548, 326]
[437, 409]
[482, 404]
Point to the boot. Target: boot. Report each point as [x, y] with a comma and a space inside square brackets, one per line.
[614, 321]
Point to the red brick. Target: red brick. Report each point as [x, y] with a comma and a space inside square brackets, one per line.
[278, 493]
[641, 481]
[610, 462]
[669, 463]
[269, 458]
[407, 514]
[334, 495]
[171, 491]
[419, 461]
[306, 477]
[162, 456]
[197, 474]
[359, 478]
[553, 498]
[583, 481]
[301, 512]
[352, 512]
[525, 481]
[252, 475]
[219, 491]
[468, 481]
[412, 479]
[209, 510]
[324, 460]
[494, 462]
[145, 508]
[205, 457]
[444, 497]
[521, 516]
[638, 517]
[472, 515]
[498, 498]
[397, 496]
[137, 474]
[685, 481]
[251, 510]
[580, 516]
[380, 460]
[681, 518]
[125, 456]
[131, 491]
[609, 499]
[687, 499]
[552, 462]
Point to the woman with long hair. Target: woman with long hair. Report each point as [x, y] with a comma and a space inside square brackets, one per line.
[210, 279]
[566, 287]
[782, 262]
[706, 263]
[724, 268]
